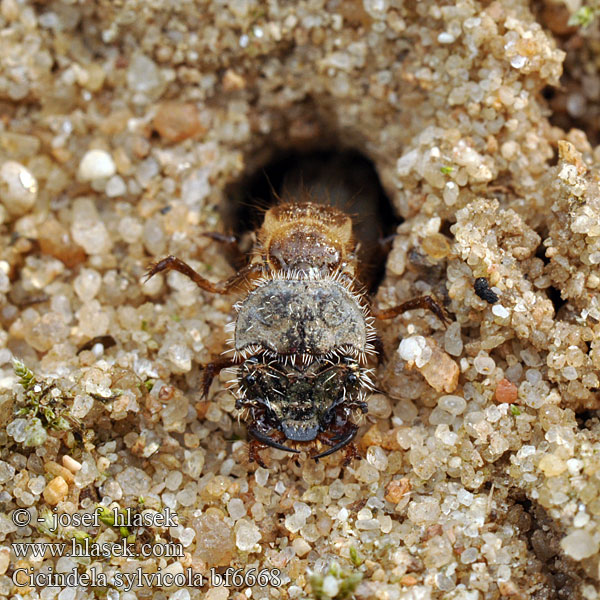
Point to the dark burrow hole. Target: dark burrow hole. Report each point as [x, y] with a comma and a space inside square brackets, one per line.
[555, 298]
[557, 577]
[552, 292]
[445, 229]
[549, 92]
[586, 419]
[560, 117]
[554, 17]
[345, 179]
[540, 251]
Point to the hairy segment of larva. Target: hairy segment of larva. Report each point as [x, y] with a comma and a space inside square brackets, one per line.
[303, 334]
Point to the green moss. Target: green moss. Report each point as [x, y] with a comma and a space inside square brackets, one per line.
[355, 557]
[108, 518]
[146, 386]
[41, 406]
[585, 16]
[24, 373]
[348, 582]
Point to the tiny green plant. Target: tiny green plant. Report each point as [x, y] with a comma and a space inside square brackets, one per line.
[146, 386]
[355, 557]
[42, 405]
[335, 584]
[584, 16]
[108, 518]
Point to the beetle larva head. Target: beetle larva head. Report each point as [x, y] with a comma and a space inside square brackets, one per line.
[301, 402]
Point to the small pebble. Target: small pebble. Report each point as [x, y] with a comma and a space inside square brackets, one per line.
[247, 535]
[7, 471]
[455, 405]
[436, 246]
[115, 187]
[518, 62]
[330, 586]
[70, 463]
[579, 545]
[214, 539]
[446, 436]
[236, 509]
[130, 230]
[377, 457]
[87, 229]
[301, 547]
[440, 372]
[96, 164]
[144, 78]
[415, 350]
[18, 188]
[506, 391]
[56, 241]
[4, 560]
[67, 593]
[176, 121]
[500, 311]
[484, 364]
[173, 480]
[296, 520]
[440, 417]
[187, 536]
[81, 406]
[453, 343]
[55, 491]
[217, 593]
[87, 284]
[450, 193]
[469, 555]
[446, 38]
[379, 406]
[134, 481]
[396, 490]
[232, 81]
[424, 511]
[552, 465]
[376, 9]
[261, 476]
[465, 497]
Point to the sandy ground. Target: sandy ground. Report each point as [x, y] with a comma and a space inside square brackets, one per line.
[124, 128]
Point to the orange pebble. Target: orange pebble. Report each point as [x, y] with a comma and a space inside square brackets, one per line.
[396, 489]
[506, 391]
[177, 121]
